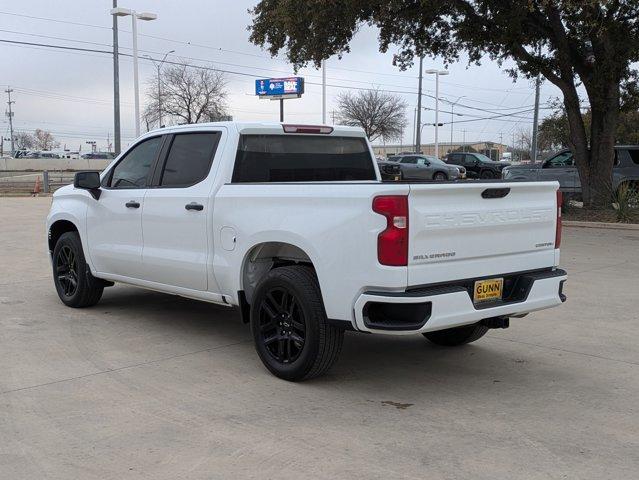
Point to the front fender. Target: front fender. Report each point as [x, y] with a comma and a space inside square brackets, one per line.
[72, 208]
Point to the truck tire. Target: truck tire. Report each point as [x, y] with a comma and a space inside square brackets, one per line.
[72, 277]
[440, 176]
[487, 174]
[289, 326]
[451, 337]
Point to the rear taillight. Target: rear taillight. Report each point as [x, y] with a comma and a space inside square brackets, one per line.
[558, 230]
[392, 243]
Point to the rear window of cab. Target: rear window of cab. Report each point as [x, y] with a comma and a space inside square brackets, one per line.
[302, 158]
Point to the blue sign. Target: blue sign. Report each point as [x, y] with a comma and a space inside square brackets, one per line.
[268, 87]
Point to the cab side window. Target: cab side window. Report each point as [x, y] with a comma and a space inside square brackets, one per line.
[456, 158]
[189, 159]
[134, 169]
[562, 160]
[469, 160]
[409, 160]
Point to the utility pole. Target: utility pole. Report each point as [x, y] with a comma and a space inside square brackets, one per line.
[464, 141]
[414, 139]
[324, 92]
[116, 85]
[10, 115]
[533, 154]
[418, 121]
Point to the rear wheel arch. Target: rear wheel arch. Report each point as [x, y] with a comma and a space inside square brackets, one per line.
[264, 257]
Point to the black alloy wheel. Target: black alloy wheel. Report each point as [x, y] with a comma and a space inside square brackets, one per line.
[72, 277]
[66, 270]
[292, 334]
[282, 325]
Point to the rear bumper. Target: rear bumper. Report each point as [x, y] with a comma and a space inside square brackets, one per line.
[447, 306]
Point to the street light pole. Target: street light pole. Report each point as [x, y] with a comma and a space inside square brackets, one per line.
[116, 85]
[437, 74]
[418, 122]
[123, 12]
[136, 82]
[323, 92]
[452, 119]
[158, 66]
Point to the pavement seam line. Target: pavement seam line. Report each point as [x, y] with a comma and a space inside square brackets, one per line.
[150, 362]
[564, 350]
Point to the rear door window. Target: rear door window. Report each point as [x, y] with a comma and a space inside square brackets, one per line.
[189, 159]
[634, 155]
[302, 158]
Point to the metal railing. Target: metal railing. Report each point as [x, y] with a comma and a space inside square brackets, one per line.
[34, 183]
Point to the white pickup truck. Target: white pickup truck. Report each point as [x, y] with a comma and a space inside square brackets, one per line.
[292, 224]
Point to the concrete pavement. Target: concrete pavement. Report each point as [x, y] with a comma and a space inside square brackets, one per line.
[151, 386]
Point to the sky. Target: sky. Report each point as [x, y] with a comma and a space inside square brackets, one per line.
[70, 93]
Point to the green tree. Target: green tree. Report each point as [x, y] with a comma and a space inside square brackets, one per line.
[591, 42]
[554, 130]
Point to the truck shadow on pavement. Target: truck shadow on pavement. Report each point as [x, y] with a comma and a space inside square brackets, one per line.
[377, 362]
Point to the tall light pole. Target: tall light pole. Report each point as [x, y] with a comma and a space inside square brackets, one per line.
[158, 65]
[437, 73]
[123, 12]
[452, 119]
[116, 85]
[324, 92]
[418, 122]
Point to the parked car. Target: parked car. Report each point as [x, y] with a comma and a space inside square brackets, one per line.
[389, 170]
[99, 156]
[561, 167]
[425, 167]
[477, 165]
[292, 224]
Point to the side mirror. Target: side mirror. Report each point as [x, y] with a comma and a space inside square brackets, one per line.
[88, 181]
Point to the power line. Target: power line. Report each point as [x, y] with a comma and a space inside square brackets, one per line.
[235, 52]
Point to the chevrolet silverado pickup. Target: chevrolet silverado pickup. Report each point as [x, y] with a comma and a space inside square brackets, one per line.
[293, 225]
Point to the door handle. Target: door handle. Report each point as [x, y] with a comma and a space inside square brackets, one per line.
[194, 206]
[132, 204]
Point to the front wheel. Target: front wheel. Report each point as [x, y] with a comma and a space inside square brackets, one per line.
[292, 335]
[487, 174]
[440, 177]
[73, 281]
[452, 337]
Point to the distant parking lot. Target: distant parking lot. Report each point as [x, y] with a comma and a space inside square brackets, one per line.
[147, 385]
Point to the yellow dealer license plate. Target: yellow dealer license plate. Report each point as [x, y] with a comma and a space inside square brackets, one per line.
[486, 290]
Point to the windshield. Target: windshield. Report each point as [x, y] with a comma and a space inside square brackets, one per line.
[482, 158]
[436, 160]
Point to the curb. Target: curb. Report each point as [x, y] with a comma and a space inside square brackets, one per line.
[612, 226]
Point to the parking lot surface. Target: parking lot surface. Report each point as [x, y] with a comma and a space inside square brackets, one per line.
[152, 386]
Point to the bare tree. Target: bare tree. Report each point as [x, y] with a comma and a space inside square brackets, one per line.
[187, 94]
[44, 140]
[380, 114]
[23, 140]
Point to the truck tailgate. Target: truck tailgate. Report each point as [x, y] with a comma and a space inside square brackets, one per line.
[469, 230]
